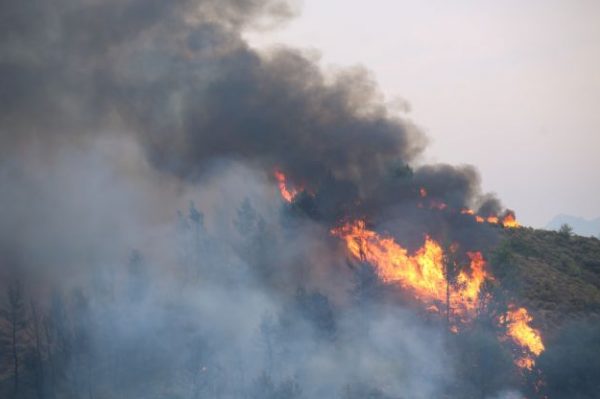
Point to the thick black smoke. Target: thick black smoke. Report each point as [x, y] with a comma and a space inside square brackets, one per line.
[179, 76]
[114, 114]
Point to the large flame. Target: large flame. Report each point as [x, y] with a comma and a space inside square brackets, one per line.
[423, 274]
[288, 193]
[521, 333]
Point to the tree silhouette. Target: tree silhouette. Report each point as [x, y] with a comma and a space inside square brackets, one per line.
[14, 321]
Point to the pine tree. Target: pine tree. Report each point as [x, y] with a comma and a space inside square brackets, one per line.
[14, 322]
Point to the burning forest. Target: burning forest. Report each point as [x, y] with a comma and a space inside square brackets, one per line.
[185, 216]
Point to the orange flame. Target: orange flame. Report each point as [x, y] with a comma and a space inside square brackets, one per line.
[288, 193]
[423, 274]
[510, 221]
[492, 219]
[521, 333]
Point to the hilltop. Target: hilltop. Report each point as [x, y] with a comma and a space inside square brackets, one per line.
[556, 275]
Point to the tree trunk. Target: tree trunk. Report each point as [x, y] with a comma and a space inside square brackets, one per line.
[15, 354]
[447, 298]
[39, 366]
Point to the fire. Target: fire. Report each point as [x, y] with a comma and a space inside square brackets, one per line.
[288, 193]
[423, 192]
[521, 333]
[510, 221]
[423, 273]
[492, 219]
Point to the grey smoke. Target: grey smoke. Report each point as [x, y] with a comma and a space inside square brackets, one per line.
[117, 113]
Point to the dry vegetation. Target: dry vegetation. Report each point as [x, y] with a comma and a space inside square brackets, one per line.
[557, 275]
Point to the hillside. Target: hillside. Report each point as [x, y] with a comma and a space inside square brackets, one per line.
[557, 276]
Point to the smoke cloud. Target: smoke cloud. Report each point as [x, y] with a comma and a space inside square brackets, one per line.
[119, 113]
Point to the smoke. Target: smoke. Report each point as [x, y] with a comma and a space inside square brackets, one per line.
[180, 78]
[118, 113]
[507, 395]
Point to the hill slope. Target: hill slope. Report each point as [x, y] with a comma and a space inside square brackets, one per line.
[555, 275]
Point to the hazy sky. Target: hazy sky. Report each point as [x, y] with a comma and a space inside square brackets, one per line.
[510, 86]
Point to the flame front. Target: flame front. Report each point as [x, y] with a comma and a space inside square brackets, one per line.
[288, 193]
[521, 333]
[423, 274]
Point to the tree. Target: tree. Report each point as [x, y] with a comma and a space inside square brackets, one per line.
[137, 284]
[257, 241]
[246, 220]
[265, 388]
[59, 345]
[360, 390]
[565, 230]
[194, 243]
[571, 365]
[82, 344]
[288, 389]
[268, 331]
[36, 358]
[451, 271]
[317, 310]
[14, 319]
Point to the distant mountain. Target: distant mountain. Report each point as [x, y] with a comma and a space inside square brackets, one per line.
[581, 226]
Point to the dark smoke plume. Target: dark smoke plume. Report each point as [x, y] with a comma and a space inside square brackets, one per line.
[179, 76]
[116, 113]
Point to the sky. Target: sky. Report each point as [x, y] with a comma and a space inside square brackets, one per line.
[512, 87]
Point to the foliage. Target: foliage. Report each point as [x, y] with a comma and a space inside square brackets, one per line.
[565, 230]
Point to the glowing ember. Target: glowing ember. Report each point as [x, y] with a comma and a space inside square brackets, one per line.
[492, 219]
[423, 192]
[439, 205]
[522, 334]
[508, 221]
[423, 273]
[288, 193]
